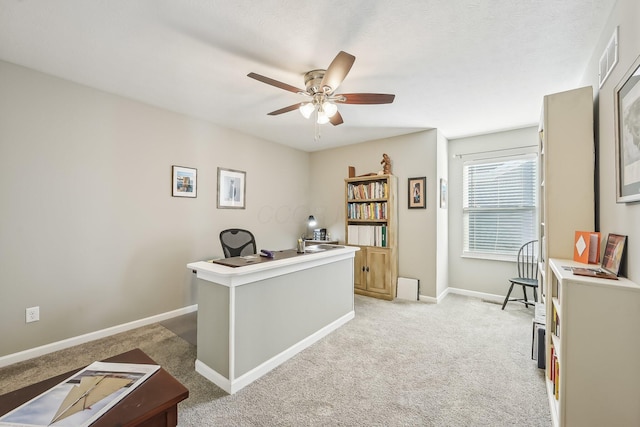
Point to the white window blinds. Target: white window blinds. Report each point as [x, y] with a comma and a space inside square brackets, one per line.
[499, 205]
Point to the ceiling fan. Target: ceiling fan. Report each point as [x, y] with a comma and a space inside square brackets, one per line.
[320, 87]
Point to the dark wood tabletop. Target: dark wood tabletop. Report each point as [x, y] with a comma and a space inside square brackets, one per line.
[152, 404]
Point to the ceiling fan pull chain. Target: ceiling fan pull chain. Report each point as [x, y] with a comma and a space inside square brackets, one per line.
[316, 136]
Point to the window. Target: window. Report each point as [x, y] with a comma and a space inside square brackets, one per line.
[499, 206]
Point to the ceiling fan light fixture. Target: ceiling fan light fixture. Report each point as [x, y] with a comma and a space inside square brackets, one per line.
[329, 108]
[322, 117]
[320, 93]
[306, 109]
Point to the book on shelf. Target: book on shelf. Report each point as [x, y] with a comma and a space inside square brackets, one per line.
[556, 380]
[554, 372]
[383, 232]
[367, 210]
[82, 398]
[370, 190]
[552, 365]
[555, 322]
[367, 235]
[586, 247]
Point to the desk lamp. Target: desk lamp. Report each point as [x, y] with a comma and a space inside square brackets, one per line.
[311, 222]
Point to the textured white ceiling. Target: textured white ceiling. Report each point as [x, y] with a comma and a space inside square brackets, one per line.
[463, 66]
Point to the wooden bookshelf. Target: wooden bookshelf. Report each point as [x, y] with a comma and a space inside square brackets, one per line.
[371, 223]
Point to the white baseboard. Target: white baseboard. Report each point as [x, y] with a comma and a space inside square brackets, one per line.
[425, 298]
[91, 336]
[474, 294]
[465, 292]
[234, 385]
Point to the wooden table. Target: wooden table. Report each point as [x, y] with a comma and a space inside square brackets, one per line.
[152, 404]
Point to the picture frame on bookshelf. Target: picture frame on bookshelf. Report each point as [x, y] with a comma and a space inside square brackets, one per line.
[627, 143]
[184, 181]
[614, 253]
[231, 189]
[417, 195]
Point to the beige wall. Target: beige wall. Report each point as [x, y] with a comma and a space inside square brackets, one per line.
[413, 155]
[616, 218]
[479, 275]
[89, 231]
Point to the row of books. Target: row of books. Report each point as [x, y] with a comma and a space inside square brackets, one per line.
[556, 322]
[554, 373]
[367, 235]
[372, 210]
[371, 190]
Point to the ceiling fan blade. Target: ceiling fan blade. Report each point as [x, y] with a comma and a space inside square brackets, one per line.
[337, 71]
[285, 109]
[275, 83]
[365, 98]
[336, 119]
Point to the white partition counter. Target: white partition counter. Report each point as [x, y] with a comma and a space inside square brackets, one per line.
[253, 317]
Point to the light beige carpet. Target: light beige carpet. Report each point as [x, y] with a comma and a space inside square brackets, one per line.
[463, 362]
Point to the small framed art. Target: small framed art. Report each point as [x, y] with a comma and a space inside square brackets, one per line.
[231, 189]
[627, 113]
[417, 193]
[443, 193]
[184, 181]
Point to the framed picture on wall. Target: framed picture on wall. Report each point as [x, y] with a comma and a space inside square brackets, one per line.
[417, 193]
[184, 181]
[627, 116]
[231, 189]
[443, 193]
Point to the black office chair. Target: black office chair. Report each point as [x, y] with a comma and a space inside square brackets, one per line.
[527, 274]
[237, 242]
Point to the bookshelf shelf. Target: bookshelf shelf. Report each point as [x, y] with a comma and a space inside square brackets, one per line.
[368, 200]
[371, 224]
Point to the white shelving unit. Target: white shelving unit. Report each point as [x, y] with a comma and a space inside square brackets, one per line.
[567, 160]
[593, 349]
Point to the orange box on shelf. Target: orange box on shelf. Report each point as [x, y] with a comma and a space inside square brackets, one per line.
[586, 247]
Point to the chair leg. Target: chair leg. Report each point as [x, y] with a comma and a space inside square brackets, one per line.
[524, 291]
[506, 299]
[535, 294]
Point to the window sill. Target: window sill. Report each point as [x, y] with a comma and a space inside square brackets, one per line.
[489, 257]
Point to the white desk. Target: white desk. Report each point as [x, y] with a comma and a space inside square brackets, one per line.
[253, 318]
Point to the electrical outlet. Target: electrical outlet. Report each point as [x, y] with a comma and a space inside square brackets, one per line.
[32, 314]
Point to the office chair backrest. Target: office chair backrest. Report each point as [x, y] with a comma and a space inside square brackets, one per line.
[528, 260]
[237, 242]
